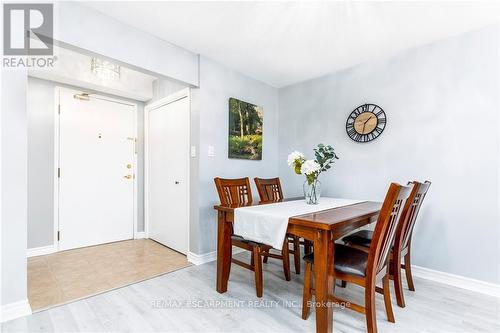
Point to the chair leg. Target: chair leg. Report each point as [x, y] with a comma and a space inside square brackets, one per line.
[296, 254]
[398, 284]
[258, 271]
[307, 247]
[343, 283]
[387, 297]
[409, 277]
[286, 260]
[265, 259]
[371, 319]
[306, 298]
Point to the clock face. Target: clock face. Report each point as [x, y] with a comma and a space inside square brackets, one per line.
[366, 123]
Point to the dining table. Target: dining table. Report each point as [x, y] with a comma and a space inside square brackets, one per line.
[322, 228]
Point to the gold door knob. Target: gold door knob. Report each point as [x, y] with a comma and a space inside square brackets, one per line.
[128, 176]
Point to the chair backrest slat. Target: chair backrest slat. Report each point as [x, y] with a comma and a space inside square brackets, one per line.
[385, 228]
[417, 198]
[234, 191]
[269, 189]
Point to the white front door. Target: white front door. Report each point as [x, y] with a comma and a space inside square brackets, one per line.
[168, 172]
[96, 161]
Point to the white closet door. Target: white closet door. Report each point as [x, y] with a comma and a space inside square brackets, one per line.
[168, 172]
[96, 185]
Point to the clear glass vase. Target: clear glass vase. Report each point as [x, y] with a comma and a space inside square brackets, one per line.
[312, 192]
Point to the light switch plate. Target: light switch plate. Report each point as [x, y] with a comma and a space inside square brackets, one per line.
[211, 151]
[193, 151]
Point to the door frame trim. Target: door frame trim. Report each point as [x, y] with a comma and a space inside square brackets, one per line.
[57, 92]
[184, 93]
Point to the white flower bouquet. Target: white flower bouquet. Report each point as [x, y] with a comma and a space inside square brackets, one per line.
[324, 157]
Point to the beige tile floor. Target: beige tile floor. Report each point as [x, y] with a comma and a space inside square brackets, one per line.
[66, 276]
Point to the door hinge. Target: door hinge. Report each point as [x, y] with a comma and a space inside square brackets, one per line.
[134, 140]
[58, 235]
[58, 172]
[59, 109]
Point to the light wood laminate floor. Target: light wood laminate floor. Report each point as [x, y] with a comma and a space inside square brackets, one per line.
[186, 301]
[66, 276]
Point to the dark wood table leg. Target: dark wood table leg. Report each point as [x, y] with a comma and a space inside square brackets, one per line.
[307, 246]
[323, 280]
[224, 249]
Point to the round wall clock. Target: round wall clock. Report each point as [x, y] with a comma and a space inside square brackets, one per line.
[366, 123]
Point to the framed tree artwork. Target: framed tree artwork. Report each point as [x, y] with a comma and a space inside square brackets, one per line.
[245, 130]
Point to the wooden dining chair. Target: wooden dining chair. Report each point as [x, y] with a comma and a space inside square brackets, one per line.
[402, 243]
[360, 267]
[270, 191]
[237, 192]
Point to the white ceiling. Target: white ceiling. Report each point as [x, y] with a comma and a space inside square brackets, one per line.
[282, 43]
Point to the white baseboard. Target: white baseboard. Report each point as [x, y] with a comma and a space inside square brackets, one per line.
[40, 251]
[15, 310]
[458, 281]
[200, 259]
[140, 235]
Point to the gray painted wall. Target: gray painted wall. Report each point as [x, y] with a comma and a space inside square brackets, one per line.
[40, 104]
[210, 112]
[14, 185]
[442, 108]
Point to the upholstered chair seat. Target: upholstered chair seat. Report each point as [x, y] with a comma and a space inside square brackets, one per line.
[348, 260]
[246, 241]
[362, 237]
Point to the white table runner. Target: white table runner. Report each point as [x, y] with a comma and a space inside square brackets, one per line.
[268, 223]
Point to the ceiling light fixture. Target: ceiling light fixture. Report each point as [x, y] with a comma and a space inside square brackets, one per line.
[105, 69]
